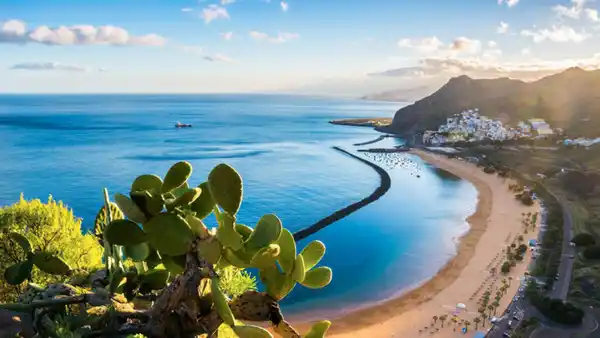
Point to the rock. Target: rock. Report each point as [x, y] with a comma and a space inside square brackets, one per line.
[13, 323]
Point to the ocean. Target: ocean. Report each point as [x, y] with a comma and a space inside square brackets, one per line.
[72, 146]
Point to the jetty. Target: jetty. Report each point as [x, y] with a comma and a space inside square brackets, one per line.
[384, 186]
[400, 149]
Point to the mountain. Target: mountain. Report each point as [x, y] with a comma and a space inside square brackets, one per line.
[570, 100]
[402, 95]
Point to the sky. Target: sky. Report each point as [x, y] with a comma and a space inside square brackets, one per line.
[338, 47]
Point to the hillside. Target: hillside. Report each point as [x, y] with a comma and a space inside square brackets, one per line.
[570, 100]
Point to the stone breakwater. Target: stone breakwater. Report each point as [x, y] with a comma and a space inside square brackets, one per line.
[383, 187]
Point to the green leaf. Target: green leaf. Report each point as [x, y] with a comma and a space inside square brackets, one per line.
[319, 329]
[287, 256]
[177, 176]
[267, 231]
[18, 273]
[243, 230]
[234, 259]
[221, 303]
[317, 278]
[169, 234]
[197, 226]
[204, 204]
[137, 253]
[146, 182]
[50, 263]
[313, 253]
[130, 209]
[251, 331]
[278, 285]
[226, 187]
[21, 240]
[150, 204]
[124, 232]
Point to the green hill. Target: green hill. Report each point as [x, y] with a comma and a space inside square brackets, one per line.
[570, 100]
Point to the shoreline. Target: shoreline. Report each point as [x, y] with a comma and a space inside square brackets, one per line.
[387, 317]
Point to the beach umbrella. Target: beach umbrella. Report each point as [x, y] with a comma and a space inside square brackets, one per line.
[461, 306]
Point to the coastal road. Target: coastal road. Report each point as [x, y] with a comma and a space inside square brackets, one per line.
[565, 269]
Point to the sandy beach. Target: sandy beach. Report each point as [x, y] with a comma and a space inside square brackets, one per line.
[495, 224]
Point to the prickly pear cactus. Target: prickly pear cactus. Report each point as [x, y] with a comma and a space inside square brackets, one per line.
[159, 225]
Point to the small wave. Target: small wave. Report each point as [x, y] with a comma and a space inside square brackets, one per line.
[32, 122]
[177, 157]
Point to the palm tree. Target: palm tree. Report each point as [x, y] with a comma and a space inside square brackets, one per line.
[509, 281]
[443, 319]
[467, 323]
[491, 308]
[435, 318]
[476, 320]
[483, 318]
[495, 305]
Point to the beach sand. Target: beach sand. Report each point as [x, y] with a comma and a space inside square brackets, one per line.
[496, 222]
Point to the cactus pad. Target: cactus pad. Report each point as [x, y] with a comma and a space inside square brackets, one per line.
[197, 226]
[287, 256]
[226, 232]
[267, 231]
[124, 232]
[18, 273]
[50, 263]
[155, 279]
[234, 259]
[313, 253]
[317, 278]
[101, 220]
[318, 329]
[251, 331]
[266, 256]
[277, 284]
[226, 187]
[204, 204]
[221, 303]
[21, 240]
[137, 253]
[243, 230]
[177, 176]
[175, 264]
[169, 234]
[150, 204]
[210, 249]
[188, 196]
[129, 209]
[299, 272]
[147, 182]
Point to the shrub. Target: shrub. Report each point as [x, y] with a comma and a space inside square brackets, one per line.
[505, 267]
[522, 249]
[592, 252]
[558, 311]
[525, 198]
[51, 227]
[489, 170]
[584, 239]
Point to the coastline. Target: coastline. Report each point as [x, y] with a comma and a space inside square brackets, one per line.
[459, 277]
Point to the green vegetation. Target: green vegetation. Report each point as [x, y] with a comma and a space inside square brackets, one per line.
[555, 309]
[165, 273]
[49, 227]
[584, 239]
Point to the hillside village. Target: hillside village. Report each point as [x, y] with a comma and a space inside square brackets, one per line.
[470, 126]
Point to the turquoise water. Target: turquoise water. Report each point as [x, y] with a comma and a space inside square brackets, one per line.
[73, 146]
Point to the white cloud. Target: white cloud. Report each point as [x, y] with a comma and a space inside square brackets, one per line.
[592, 14]
[227, 2]
[227, 36]
[214, 12]
[509, 3]
[480, 67]
[492, 44]
[525, 51]
[280, 38]
[433, 45]
[560, 33]
[187, 9]
[577, 10]
[218, 58]
[40, 66]
[284, 6]
[15, 31]
[502, 28]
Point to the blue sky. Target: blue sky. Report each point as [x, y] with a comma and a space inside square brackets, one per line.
[181, 46]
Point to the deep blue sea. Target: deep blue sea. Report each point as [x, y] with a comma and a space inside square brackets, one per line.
[73, 146]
